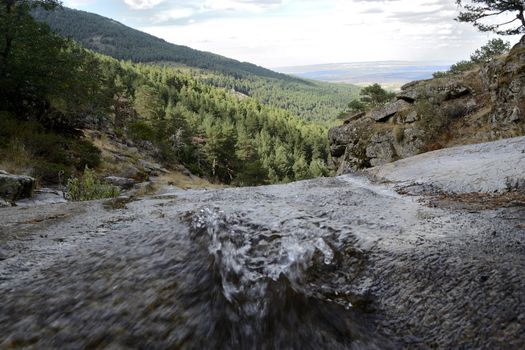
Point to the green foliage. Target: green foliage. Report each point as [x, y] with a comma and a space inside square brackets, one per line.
[371, 96]
[210, 130]
[43, 76]
[374, 95]
[356, 106]
[313, 101]
[27, 147]
[213, 131]
[492, 15]
[491, 49]
[318, 168]
[88, 187]
[141, 131]
[461, 67]
[114, 39]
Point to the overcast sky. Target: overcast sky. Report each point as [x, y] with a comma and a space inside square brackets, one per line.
[277, 33]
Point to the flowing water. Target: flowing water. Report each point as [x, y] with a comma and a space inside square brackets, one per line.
[324, 264]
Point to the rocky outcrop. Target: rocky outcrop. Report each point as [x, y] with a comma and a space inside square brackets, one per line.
[505, 79]
[349, 264]
[383, 113]
[15, 187]
[493, 167]
[122, 182]
[485, 104]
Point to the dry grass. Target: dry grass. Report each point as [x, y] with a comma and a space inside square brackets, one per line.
[16, 159]
[178, 179]
[478, 201]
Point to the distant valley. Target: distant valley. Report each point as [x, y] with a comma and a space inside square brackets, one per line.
[390, 74]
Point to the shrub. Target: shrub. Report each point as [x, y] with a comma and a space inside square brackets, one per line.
[84, 154]
[88, 187]
[141, 130]
[51, 173]
[15, 158]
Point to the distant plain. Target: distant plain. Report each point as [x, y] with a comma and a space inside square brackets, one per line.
[390, 74]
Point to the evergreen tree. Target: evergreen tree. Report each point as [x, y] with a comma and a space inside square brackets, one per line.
[491, 15]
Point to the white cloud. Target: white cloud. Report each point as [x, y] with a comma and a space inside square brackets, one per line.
[173, 14]
[142, 4]
[277, 33]
[240, 5]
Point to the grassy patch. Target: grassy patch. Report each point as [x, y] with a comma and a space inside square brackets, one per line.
[26, 147]
[88, 187]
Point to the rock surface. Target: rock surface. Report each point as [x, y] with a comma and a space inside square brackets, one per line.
[383, 113]
[482, 105]
[490, 167]
[122, 182]
[335, 263]
[15, 187]
[43, 196]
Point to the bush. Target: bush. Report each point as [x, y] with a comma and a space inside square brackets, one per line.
[84, 154]
[51, 173]
[88, 187]
[26, 147]
[141, 130]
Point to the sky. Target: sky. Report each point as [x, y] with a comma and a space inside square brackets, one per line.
[280, 33]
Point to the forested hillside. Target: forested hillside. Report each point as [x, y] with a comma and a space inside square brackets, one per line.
[210, 130]
[313, 101]
[52, 89]
[114, 39]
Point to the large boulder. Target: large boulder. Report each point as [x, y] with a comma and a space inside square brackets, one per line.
[122, 182]
[383, 113]
[15, 187]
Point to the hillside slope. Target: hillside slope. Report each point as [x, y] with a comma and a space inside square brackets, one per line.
[484, 104]
[114, 39]
[311, 100]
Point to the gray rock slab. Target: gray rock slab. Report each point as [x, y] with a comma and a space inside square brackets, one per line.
[487, 167]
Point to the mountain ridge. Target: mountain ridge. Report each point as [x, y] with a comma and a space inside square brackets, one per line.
[314, 101]
[115, 39]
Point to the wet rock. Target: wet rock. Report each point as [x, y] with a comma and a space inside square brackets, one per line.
[490, 167]
[382, 114]
[43, 196]
[122, 182]
[4, 203]
[15, 187]
[331, 263]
